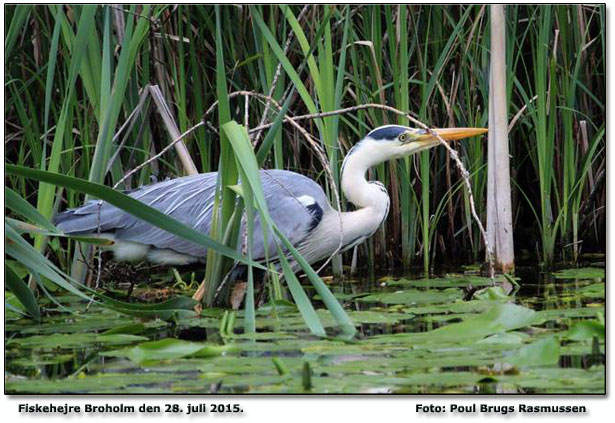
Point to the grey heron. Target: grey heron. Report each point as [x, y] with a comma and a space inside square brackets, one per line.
[298, 205]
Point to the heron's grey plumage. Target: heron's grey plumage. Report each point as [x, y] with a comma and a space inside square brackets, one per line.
[295, 203]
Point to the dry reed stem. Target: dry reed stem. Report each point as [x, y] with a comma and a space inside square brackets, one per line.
[169, 122]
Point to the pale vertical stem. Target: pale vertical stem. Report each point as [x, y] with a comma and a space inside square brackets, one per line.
[491, 168]
[499, 209]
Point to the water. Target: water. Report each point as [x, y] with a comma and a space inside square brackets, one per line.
[451, 334]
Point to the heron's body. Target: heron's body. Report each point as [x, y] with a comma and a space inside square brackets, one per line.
[297, 203]
[298, 206]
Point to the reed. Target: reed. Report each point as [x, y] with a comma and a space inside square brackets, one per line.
[74, 75]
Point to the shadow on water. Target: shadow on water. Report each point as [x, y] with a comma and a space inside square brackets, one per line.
[454, 333]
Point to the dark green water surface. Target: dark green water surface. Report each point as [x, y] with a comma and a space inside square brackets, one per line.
[450, 334]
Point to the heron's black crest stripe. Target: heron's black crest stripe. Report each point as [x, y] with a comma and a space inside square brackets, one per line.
[316, 212]
[387, 132]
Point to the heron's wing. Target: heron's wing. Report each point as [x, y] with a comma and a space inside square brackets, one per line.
[295, 203]
[188, 199]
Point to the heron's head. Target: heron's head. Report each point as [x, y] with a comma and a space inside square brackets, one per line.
[392, 141]
[386, 143]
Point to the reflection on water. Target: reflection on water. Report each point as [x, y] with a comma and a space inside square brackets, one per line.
[453, 333]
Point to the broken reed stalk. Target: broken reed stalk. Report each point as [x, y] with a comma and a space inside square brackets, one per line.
[169, 122]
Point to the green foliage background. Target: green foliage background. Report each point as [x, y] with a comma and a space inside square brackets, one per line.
[73, 75]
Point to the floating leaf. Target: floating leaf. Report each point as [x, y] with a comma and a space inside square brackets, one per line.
[132, 329]
[73, 340]
[99, 383]
[544, 352]
[586, 329]
[567, 313]
[43, 360]
[500, 318]
[491, 293]
[581, 273]
[414, 296]
[169, 348]
[451, 281]
[595, 290]
[508, 338]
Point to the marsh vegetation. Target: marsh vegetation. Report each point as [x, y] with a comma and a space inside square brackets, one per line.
[96, 98]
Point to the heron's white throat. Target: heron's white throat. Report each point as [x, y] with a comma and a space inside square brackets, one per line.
[355, 186]
[371, 198]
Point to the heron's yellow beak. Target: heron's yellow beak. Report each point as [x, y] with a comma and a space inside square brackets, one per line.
[450, 134]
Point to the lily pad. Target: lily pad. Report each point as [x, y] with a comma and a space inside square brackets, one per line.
[42, 360]
[566, 313]
[491, 293]
[581, 273]
[507, 338]
[416, 336]
[498, 319]
[169, 348]
[586, 329]
[559, 380]
[98, 384]
[595, 290]
[414, 296]
[452, 281]
[74, 340]
[459, 306]
[544, 352]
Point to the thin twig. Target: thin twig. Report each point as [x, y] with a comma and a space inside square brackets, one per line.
[188, 132]
[130, 121]
[153, 21]
[466, 178]
[161, 153]
[341, 112]
[246, 112]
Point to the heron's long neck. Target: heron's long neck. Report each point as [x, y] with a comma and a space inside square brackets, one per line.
[356, 188]
[370, 198]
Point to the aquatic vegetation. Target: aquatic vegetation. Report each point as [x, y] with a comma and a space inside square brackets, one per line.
[443, 343]
[81, 124]
[425, 59]
[581, 273]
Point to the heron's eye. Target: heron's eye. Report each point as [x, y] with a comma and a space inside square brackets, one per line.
[403, 138]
